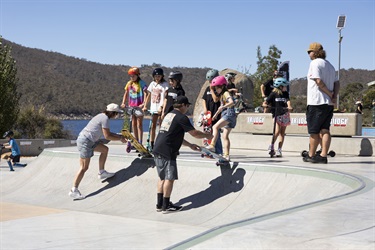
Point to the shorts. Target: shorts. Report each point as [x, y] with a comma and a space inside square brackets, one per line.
[137, 111]
[86, 147]
[15, 158]
[229, 115]
[167, 169]
[318, 117]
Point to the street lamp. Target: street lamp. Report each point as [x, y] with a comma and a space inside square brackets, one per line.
[340, 25]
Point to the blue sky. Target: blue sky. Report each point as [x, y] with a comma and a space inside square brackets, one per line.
[216, 34]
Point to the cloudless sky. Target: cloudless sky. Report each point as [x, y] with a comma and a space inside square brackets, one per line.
[194, 33]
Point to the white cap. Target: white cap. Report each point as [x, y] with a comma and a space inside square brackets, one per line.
[114, 108]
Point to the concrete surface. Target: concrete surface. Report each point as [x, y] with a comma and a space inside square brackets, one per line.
[257, 202]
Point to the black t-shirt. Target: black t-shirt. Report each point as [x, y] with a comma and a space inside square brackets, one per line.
[210, 104]
[172, 94]
[268, 87]
[171, 134]
[278, 103]
[359, 108]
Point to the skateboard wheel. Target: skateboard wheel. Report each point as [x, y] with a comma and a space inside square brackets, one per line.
[202, 155]
[332, 153]
[304, 153]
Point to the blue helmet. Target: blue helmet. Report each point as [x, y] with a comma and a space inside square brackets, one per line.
[280, 82]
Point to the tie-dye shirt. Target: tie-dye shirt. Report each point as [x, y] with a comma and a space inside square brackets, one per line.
[135, 92]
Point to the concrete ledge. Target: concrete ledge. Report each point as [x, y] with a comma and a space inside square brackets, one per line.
[360, 146]
[33, 147]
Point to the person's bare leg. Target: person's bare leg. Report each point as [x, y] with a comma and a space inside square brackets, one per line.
[326, 142]
[314, 142]
[103, 155]
[84, 166]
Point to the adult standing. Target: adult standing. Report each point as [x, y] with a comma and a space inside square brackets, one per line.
[322, 90]
[167, 145]
[89, 140]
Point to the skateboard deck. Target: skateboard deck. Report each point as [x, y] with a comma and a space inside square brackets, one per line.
[207, 126]
[207, 153]
[305, 153]
[143, 152]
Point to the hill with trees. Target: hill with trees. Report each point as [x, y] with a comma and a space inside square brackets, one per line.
[68, 87]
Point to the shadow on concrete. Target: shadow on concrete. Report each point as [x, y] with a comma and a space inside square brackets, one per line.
[136, 168]
[230, 181]
[366, 148]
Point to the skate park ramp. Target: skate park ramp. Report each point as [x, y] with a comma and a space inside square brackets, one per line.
[210, 195]
[213, 197]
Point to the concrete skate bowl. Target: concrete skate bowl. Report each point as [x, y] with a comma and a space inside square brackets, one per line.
[214, 198]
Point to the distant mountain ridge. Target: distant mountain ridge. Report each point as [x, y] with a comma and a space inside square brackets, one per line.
[68, 87]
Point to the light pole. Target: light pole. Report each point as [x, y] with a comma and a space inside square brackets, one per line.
[340, 25]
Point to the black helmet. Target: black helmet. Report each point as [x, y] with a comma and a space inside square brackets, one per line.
[211, 74]
[8, 133]
[157, 71]
[177, 75]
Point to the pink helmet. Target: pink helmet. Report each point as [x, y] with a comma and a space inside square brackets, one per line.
[218, 81]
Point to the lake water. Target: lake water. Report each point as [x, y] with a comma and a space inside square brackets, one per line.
[75, 126]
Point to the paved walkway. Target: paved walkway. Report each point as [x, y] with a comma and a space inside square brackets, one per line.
[255, 203]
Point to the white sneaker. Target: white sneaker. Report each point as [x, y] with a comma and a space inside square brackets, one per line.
[105, 175]
[76, 195]
[279, 153]
[227, 157]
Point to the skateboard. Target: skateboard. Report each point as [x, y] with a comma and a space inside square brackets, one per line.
[208, 154]
[207, 126]
[305, 153]
[143, 152]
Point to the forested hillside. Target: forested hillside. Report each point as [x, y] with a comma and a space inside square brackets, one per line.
[299, 86]
[68, 86]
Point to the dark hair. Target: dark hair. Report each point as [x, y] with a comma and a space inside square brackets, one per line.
[110, 114]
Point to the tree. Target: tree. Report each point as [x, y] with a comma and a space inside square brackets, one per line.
[9, 99]
[266, 66]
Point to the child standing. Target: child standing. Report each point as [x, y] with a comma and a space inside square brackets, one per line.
[280, 106]
[211, 102]
[175, 89]
[157, 90]
[135, 94]
[228, 118]
[15, 155]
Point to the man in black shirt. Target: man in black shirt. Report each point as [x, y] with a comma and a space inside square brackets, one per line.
[167, 144]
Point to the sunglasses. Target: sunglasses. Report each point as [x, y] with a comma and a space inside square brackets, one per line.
[308, 52]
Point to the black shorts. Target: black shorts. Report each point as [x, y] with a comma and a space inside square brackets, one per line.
[318, 117]
[15, 158]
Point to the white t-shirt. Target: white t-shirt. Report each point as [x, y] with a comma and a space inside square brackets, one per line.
[93, 130]
[157, 95]
[322, 69]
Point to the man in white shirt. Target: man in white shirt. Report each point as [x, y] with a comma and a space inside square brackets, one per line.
[322, 90]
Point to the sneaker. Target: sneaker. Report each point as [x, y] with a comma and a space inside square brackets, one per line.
[307, 158]
[159, 208]
[172, 208]
[270, 148]
[211, 148]
[319, 159]
[105, 175]
[279, 153]
[76, 195]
